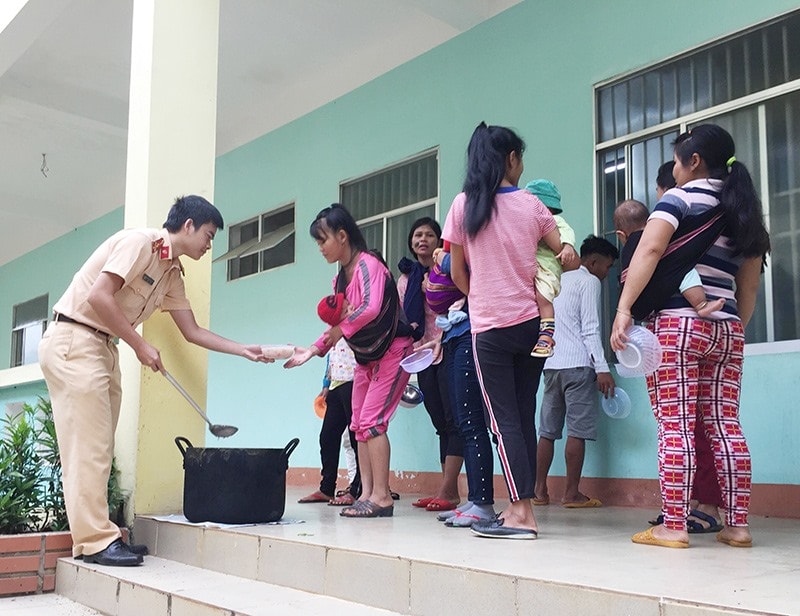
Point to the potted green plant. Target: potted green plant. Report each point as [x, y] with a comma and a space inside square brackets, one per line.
[34, 531]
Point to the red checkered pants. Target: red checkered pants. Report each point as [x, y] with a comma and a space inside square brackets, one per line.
[700, 376]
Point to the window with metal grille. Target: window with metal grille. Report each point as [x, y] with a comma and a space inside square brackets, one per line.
[261, 243]
[387, 202]
[748, 83]
[29, 322]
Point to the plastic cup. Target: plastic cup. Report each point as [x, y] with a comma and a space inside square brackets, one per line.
[417, 361]
[617, 406]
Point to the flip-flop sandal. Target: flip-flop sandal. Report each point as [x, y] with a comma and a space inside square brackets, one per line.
[587, 504]
[734, 543]
[463, 520]
[696, 528]
[316, 497]
[647, 537]
[657, 521]
[356, 505]
[439, 504]
[367, 509]
[345, 500]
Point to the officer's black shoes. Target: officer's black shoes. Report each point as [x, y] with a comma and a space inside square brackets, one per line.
[118, 554]
[138, 548]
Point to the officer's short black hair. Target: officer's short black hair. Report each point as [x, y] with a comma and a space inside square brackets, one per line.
[194, 207]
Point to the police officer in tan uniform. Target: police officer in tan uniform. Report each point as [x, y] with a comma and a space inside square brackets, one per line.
[123, 282]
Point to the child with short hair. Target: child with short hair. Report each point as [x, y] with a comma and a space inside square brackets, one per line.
[630, 217]
[548, 274]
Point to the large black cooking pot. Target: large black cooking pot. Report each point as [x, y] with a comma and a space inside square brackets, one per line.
[234, 486]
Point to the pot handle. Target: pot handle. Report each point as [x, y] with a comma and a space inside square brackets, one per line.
[183, 444]
[290, 447]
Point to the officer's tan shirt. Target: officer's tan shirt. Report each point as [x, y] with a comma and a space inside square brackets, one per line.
[153, 278]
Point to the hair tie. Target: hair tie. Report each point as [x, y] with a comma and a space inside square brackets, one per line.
[730, 162]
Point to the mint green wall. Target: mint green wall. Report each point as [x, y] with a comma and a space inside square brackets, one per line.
[45, 270]
[533, 68]
[17, 394]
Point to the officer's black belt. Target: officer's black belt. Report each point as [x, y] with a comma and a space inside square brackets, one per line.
[58, 317]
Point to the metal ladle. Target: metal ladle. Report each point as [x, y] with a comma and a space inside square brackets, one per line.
[219, 430]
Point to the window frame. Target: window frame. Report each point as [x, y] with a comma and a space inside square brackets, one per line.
[279, 236]
[21, 330]
[386, 216]
[756, 100]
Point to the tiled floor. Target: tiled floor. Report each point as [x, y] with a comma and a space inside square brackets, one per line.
[588, 548]
[42, 605]
[583, 547]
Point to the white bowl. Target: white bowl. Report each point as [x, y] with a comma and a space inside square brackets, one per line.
[642, 353]
[277, 351]
[417, 361]
[617, 406]
[412, 396]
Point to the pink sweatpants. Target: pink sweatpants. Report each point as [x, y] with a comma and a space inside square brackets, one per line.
[377, 389]
[700, 376]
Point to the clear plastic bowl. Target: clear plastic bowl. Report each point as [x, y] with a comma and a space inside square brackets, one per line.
[412, 396]
[642, 353]
[618, 406]
[417, 361]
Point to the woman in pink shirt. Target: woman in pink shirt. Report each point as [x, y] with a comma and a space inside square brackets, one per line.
[377, 332]
[493, 228]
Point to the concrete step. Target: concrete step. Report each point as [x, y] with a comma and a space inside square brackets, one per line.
[584, 562]
[43, 605]
[167, 588]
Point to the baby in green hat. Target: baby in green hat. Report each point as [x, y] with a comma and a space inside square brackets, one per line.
[548, 276]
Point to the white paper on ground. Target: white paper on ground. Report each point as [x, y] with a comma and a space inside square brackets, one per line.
[180, 519]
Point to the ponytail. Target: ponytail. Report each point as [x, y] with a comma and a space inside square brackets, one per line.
[739, 201]
[487, 153]
[743, 212]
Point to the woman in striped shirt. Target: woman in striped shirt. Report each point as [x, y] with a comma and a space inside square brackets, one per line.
[702, 362]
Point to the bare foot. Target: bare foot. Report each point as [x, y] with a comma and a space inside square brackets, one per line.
[667, 534]
[739, 536]
[709, 307]
[577, 497]
[520, 515]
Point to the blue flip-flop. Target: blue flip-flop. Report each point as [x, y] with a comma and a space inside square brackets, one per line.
[696, 528]
[693, 527]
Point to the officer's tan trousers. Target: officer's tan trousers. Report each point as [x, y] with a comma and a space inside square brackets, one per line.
[81, 368]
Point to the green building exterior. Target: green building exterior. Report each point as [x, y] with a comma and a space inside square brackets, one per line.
[597, 89]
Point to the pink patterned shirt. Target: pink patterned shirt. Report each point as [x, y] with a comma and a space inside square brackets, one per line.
[502, 258]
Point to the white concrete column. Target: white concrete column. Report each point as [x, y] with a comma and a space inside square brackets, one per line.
[171, 152]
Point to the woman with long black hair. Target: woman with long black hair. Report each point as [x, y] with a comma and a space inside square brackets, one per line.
[701, 368]
[376, 330]
[493, 228]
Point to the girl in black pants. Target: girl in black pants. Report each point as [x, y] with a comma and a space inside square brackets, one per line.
[338, 397]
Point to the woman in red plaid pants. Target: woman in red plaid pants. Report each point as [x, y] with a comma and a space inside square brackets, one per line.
[702, 357]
